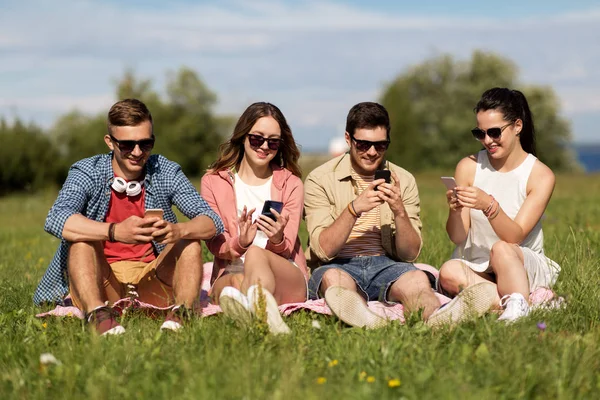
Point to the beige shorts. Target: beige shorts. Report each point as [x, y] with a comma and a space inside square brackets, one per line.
[140, 274]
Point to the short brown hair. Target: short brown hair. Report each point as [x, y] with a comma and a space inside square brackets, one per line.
[128, 112]
[367, 115]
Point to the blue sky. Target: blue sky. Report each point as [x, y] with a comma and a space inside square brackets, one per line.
[314, 59]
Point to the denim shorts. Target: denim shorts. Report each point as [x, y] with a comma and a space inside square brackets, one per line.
[373, 275]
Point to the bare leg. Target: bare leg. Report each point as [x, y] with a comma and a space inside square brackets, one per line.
[456, 276]
[179, 266]
[91, 282]
[507, 261]
[276, 274]
[413, 290]
[234, 280]
[337, 277]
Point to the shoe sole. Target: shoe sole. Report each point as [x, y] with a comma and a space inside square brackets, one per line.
[276, 324]
[471, 303]
[117, 330]
[351, 308]
[173, 326]
[233, 305]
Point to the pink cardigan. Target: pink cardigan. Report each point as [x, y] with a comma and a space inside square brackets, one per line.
[217, 189]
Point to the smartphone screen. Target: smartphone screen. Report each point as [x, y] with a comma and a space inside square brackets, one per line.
[275, 205]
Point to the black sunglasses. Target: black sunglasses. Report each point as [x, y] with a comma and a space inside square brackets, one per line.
[365, 145]
[493, 133]
[127, 146]
[257, 141]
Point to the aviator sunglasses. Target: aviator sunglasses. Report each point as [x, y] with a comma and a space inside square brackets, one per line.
[257, 141]
[493, 133]
[365, 145]
[127, 146]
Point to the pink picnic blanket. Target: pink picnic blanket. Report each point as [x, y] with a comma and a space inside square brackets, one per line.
[539, 297]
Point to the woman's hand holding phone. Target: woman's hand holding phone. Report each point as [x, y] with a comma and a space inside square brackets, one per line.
[273, 228]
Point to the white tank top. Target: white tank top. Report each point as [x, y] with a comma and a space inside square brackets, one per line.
[510, 190]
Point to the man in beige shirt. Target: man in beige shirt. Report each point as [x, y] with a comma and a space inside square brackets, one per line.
[365, 233]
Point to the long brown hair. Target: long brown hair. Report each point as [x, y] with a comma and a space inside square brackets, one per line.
[232, 151]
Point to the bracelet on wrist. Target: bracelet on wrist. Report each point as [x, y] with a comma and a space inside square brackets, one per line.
[495, 213]
[111, 232]
[351, 210]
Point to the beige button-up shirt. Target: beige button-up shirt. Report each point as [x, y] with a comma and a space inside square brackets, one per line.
[327, 191]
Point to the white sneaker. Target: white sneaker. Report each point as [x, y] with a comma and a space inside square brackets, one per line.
[274, 320]
[472, 302]
[515, 307]
[351, 308]
[235, 305]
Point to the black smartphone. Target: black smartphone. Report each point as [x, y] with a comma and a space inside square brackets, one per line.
[383, 174]
[275, 205]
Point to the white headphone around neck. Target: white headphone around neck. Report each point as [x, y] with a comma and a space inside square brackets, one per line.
[131, 188]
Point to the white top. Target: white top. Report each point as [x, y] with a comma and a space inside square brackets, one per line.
[251, 197]
[510, 190]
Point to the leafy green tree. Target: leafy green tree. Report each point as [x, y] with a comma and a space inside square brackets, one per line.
[431, 110]
[29, 158]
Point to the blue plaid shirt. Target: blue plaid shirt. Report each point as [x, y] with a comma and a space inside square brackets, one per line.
[87, 191]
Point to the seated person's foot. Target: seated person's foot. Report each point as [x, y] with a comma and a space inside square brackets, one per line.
[176, 318]
[105, 322]
[471, 303]
[235, 305]
[350, 307]
[515, 307]
[262, 302]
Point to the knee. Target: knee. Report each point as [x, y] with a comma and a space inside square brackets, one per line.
[334, 277]
[254, 257]
[500, 250]
[190, 247]
[83, 249]
[411, 281]
[452, 274]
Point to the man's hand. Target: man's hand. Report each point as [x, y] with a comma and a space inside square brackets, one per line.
[390, 193]
[247, 228]
[166, 232]
[473, 197]
[273, 229]
[369, 198]
[136, 230]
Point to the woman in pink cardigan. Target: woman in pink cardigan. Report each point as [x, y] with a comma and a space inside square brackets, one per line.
[257, 255]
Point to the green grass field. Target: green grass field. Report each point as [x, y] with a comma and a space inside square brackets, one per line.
[212, 358]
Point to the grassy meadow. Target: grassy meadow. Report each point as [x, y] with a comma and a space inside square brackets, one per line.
[212, 358]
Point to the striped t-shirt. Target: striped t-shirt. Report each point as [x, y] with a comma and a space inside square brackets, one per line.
[365, 238]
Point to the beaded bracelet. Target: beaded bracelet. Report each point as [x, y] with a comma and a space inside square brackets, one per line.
[495, 213]
[487, 211]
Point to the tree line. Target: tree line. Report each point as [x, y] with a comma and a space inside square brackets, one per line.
[430, 106]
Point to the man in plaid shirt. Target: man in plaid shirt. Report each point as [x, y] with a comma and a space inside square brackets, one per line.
[110, 247]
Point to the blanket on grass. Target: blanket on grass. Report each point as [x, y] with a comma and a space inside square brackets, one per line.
[539, 297]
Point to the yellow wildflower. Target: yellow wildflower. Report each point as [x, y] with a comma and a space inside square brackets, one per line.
[45, 325]
[321, 380]
[370, 379]
[394, 383]
[333, 363]
[362, 376]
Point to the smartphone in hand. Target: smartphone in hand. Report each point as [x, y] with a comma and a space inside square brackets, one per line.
[383, 174]
[450, 183]
[275, 205]
[154, 212]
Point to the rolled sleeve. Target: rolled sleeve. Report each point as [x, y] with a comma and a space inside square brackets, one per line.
[71, 200]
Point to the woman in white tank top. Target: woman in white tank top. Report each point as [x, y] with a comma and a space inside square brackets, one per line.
[496, 209]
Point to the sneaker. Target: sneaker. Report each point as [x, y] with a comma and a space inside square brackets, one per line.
[471, 303]
[235, 305]
[104, 319]
[274, 320]
[515, 307]
[175, 318]
[351, 308]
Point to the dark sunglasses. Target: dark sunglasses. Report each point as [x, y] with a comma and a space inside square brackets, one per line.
[257, 141]
[365, 145]
[493, 133]
[127, 146]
